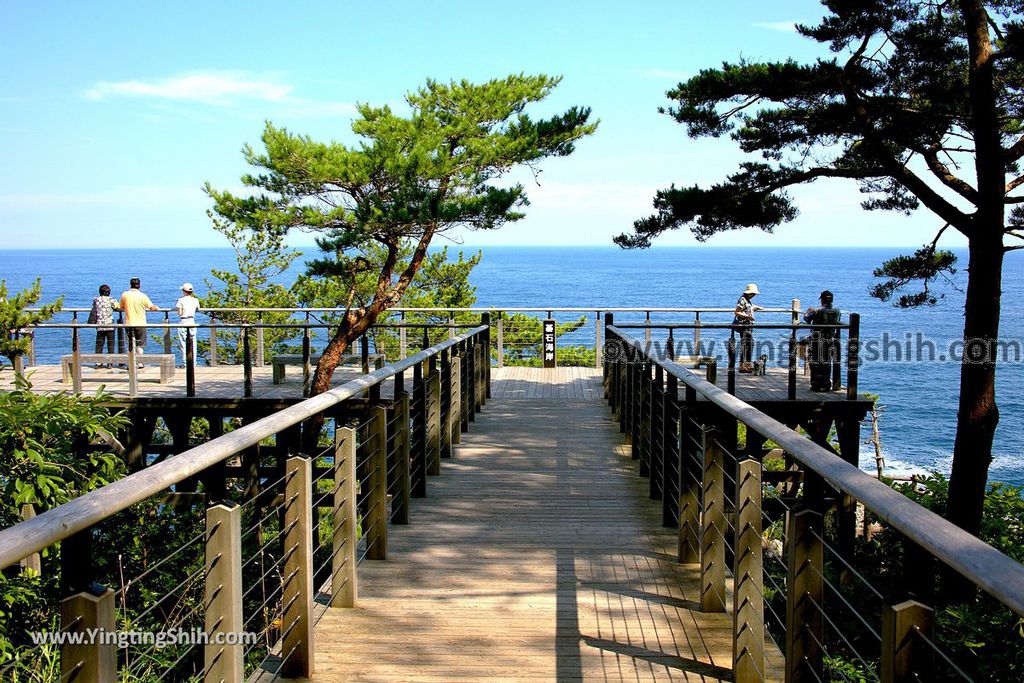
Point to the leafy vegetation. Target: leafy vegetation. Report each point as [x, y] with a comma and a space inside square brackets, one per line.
[408, 179]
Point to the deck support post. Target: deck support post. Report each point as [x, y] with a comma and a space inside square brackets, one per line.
[748, 576]
[344, 587]
[297, 591]
[94, 661]
[904, 657]
[223, 662]
[804, 589]
[656, 392]
[375, 524]
[712, 533]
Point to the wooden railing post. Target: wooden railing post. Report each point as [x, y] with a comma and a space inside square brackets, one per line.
[344, 586]
[307, 367]
[598, 356]
[501, 340]
[472, 382]
[403, 340]
[433, 419]
[190, 362]
[133, 366]
[167, 332]
[418, 449]
[804, 589]
[76, 362]
[465, 385]
[93, 660]
[445, 405]
[297, 591]
[260, 350]
[853, 356]
[483, 372]
[454, 425]
[375, 524]
[485, 378]
[670, 453]
[400, 504]
[712, 532]
[246, 363]
[791, 378]
[213, 341]
[224, 661]
[642, 417]
[655, 441]
[748, 577]
[904, 658]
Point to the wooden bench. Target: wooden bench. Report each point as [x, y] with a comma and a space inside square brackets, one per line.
[164, 360]
[282, 360]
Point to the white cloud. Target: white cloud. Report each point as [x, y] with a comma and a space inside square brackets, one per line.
[222, 89]
[209, 87]
[784, 26]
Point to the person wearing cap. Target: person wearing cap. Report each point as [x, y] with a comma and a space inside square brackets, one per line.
[187, 307]
[135, 304]
[743, 322]
[823, 346]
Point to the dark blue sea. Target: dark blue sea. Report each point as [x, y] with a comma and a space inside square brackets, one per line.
[919, 397]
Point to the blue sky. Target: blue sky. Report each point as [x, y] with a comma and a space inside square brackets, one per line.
[112, 115]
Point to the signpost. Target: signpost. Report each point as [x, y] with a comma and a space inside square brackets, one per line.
[549, 343]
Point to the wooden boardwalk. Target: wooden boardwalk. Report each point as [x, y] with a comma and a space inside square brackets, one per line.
[537, 555]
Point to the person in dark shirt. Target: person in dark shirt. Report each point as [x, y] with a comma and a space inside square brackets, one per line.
[823, 346]
[102, 313]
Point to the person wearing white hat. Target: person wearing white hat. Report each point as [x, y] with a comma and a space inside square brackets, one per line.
[187, 307]
[742, 322]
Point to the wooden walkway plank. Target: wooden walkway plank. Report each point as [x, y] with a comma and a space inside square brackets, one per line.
[536, 556]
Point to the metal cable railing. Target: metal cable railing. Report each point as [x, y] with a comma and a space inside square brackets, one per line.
[293, 527]
[788, 542]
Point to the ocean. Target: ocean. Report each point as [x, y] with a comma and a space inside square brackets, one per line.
[919, 397]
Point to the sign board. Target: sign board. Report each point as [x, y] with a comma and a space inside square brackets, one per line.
[549, 343]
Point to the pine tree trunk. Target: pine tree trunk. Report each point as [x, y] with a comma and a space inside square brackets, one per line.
[978, 415]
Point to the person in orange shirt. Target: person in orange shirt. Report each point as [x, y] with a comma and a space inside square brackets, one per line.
[135, 304]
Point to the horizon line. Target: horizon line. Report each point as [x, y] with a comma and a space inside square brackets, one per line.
[519, 246]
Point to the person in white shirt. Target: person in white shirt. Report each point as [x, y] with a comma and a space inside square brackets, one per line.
[187, 307]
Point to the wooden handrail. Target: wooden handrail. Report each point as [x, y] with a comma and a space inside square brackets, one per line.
[57, 524]
[992, 571]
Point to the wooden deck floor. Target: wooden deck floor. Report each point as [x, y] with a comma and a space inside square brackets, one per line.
[226, 381]
[536, 556]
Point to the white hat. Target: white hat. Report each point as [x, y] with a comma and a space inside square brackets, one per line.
[187, 287]
[751, 289]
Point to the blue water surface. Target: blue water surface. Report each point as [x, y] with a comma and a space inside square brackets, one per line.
[918, 423]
